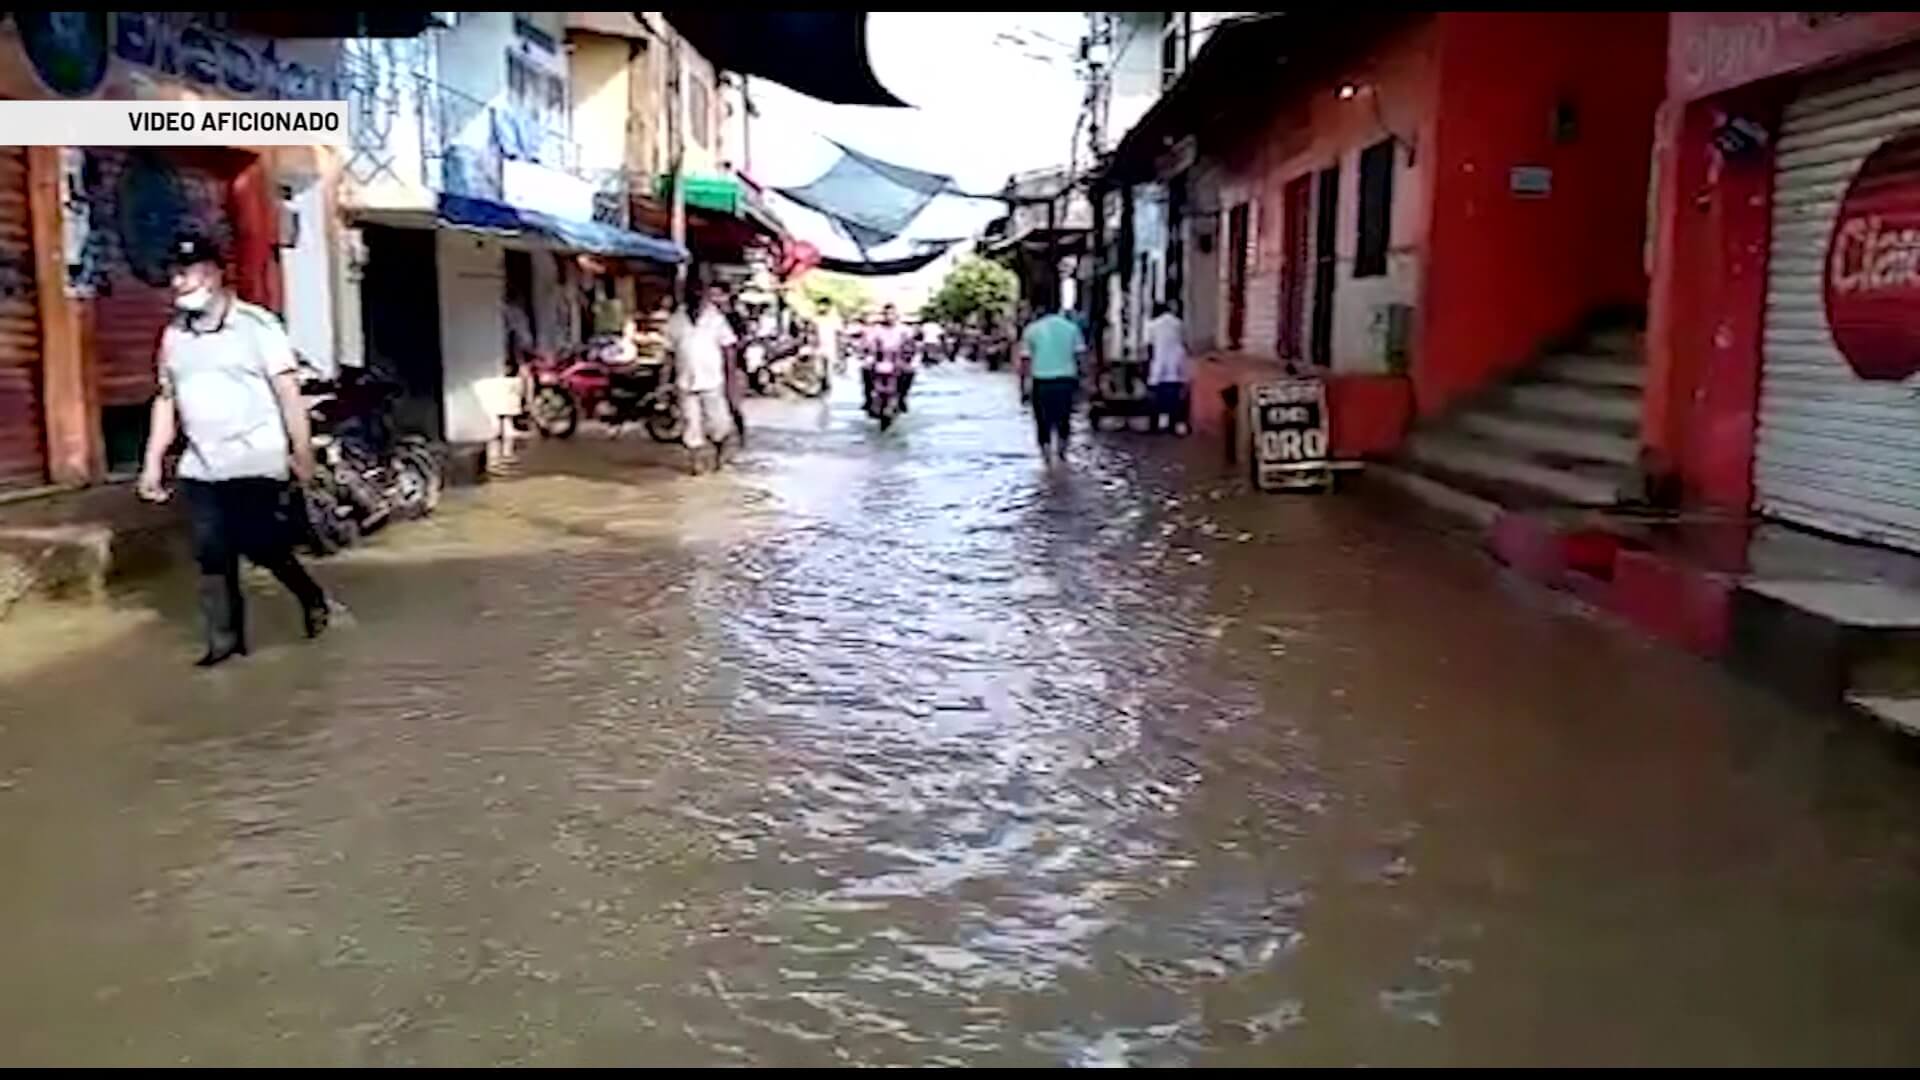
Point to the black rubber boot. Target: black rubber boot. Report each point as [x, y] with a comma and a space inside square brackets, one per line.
[220, 613]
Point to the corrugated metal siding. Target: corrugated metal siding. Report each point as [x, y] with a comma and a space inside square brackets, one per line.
[135, 301]
[23, 444]
[1834, 451]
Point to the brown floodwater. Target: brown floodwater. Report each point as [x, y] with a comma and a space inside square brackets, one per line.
[900, 749]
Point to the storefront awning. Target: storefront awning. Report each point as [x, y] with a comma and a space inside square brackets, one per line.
[592, 237]
[727, 195]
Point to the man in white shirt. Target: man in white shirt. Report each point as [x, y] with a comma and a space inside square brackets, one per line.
[826, 333]
[228, 382]
[701, 337]
[1167, 372]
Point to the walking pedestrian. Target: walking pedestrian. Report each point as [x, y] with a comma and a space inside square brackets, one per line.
[1050, 357]
[701, 338]
[1167, 371]
[228, 382]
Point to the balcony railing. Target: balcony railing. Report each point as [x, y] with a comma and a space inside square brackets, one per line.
[408, 127]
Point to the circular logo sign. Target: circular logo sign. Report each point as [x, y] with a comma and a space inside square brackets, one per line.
[68, 49]
[1872, 287]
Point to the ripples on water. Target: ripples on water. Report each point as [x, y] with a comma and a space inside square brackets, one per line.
[899, 749]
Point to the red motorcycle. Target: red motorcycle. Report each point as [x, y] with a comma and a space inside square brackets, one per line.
[590, 382]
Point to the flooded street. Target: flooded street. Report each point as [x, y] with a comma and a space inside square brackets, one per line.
[900, 749]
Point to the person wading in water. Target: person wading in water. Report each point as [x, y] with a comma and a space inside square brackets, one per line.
[228, 383]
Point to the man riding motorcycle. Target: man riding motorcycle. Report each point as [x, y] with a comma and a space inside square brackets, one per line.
[890, 340]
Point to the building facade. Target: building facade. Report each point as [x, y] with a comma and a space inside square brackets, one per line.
[83, 230]
[474, 199]
[1785, 304]
[1411, 206]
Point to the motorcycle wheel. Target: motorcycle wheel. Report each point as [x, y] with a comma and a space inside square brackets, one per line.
[555, 412]
[413, 487]
[807, 381]
[331, 525]
[666, 425]
[419, 453]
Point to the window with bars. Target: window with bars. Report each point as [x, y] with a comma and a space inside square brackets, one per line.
[1376, 210]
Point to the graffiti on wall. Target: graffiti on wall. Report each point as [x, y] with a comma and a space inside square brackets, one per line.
[70, 52]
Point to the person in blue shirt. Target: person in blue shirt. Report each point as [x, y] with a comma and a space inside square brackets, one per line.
[1051, 353]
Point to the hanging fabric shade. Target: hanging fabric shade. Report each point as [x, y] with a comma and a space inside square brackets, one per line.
[822, 54]
[873, 201]
[886, 267]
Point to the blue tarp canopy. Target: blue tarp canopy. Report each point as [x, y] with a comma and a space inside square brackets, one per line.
[598, 238]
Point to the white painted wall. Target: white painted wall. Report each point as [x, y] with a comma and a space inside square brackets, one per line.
[473, 278]
[306, 270]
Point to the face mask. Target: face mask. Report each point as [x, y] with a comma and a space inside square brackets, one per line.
[194, 300]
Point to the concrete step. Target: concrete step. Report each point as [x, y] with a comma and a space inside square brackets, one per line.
[1500, 466]
[1436, 493]
[1594, 370]
[1823, 641]
[1902, 714]
[1620, 341]
[1550, 436]
[1585, 403]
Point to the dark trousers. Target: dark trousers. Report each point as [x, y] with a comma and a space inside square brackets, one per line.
[231, 518]
[1053, 409]
[1169, 404]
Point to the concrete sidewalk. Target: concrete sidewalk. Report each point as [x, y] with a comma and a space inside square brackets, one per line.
[68, 545]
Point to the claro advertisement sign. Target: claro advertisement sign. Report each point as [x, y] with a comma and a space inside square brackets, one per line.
[1872, 290]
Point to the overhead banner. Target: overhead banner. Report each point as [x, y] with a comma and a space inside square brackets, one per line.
[173, 123]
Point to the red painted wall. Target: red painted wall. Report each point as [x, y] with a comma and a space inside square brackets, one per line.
[1707, 304]
[1505, 274]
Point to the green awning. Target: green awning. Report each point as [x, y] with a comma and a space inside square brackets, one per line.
[727, 195]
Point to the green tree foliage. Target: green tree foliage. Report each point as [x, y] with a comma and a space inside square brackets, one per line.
[974, 286]
[847, 294]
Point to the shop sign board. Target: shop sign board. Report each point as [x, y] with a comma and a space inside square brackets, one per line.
[1871, 291]
[1288, 419]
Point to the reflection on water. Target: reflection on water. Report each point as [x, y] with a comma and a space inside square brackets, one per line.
[899, 749]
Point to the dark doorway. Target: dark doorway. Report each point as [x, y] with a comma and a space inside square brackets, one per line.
[1296, 217]
[1238, 253]
[400, 322]
[1326, 220]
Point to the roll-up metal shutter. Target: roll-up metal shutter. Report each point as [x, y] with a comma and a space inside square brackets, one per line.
[141, 199]
[23, 443]
[1834, 451]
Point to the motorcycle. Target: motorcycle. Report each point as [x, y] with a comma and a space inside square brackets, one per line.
[783, 362]
[589, 382]
[365, 474]
[883, 393]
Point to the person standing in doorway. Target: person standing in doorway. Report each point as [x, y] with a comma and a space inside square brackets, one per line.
[1050, 356]
[1167, 372]
[701, 337]
[228, 382]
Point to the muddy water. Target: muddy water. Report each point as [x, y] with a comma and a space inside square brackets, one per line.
[899, 749]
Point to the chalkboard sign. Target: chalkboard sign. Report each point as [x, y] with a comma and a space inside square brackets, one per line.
[1288, 418]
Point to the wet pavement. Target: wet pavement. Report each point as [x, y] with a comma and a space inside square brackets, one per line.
[900, 749]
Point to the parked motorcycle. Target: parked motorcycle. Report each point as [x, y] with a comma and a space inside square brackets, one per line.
[883, 393]
[773, 363]
[366, 474]
[590, 382]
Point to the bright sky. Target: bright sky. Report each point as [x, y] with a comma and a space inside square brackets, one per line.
[994, 93]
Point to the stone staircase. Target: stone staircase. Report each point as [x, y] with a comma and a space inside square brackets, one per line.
[1563, 432]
